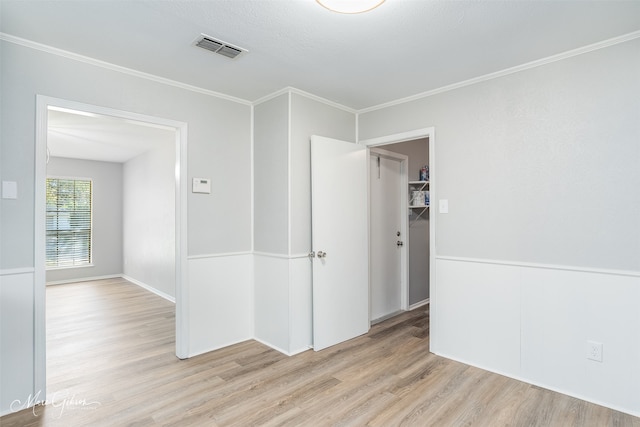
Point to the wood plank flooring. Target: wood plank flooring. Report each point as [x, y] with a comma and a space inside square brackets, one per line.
[111, 362]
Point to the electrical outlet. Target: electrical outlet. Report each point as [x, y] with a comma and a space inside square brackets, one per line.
[594, 351]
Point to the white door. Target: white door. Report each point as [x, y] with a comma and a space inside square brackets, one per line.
[387, 239]
[340, 240]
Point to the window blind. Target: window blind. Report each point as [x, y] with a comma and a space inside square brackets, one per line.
[68, 224]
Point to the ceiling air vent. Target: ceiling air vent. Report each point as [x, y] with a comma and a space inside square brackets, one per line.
[219, 47]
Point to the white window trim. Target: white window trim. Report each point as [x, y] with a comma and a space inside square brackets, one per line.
[91, 247]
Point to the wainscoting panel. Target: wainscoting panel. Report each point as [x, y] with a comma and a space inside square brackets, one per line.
[271, 290]
[220, 301]
[561, 311]
[301, 305]
[283, 302]
[478, 309]
[532, 322]
[16, 339]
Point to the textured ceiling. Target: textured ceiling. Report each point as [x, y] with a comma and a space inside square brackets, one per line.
[402, 48]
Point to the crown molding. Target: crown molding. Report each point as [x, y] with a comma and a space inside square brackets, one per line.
[271, 96]
[322, 100]
[290, 89]
[533, 64]
[107, 65]
[529, 65]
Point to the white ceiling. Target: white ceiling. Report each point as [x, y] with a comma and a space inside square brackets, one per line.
[402, 48]
[79, 135]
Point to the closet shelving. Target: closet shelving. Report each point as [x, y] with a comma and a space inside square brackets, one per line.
[414, 205]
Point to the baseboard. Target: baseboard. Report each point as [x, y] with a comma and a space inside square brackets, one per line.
[385, 317]
[302, 350]
[278, 349]
[150, 288]
[419, 304]
[539, 384]
[84, 279]
[395, 313]
[210, 349]
[116, 276]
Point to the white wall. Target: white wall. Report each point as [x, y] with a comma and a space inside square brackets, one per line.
[271, 222]
[526, 158]
[532, 323]
[540, 250]
[271, 175]
[16, 337]
[310, 117]
[106, 244]
[283, 127]
[149, 186]
[219, 225]
[272, 302]
[223, 309]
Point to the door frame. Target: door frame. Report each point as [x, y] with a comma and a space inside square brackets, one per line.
[411, 135]
[404, 224]
[181, 192]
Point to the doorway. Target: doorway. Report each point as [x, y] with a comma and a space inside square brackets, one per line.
[44, 104]
[427, 259]
[388, 233]
[418, 213]
[127, 169]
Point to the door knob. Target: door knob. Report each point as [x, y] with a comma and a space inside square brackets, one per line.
[322, 254]
[312, 254]
[399, 243]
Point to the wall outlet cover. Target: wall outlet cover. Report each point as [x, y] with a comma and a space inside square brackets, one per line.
[594, 351]
[443, 206]
[9, 190]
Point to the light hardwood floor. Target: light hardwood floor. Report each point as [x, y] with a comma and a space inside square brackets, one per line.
[111, 362]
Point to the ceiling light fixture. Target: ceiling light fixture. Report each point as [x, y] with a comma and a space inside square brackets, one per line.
[350, 6]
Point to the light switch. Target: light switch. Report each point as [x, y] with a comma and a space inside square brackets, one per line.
[444, 206]
[201, 185]
[9, 190]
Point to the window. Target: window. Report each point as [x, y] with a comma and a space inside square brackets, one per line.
[68, 222]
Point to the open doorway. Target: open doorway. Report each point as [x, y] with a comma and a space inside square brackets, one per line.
[65, 155]
[115, 180]
[419, 237]
[417, 210]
